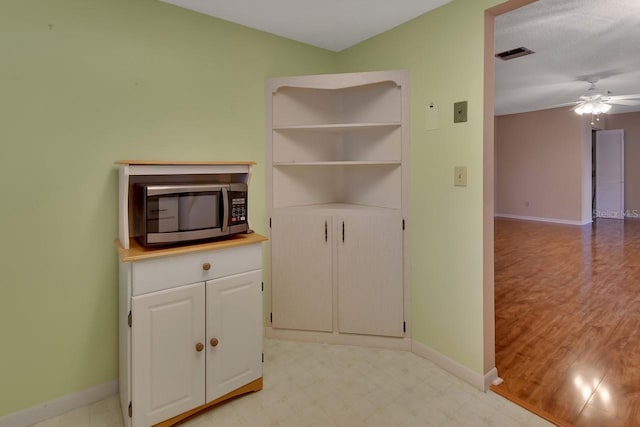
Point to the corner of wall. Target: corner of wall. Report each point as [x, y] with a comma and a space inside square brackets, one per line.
[475, 379]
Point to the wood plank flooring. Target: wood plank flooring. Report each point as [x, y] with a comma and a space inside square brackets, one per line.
[567, 306]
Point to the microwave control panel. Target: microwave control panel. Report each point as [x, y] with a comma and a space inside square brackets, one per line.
[238, 210]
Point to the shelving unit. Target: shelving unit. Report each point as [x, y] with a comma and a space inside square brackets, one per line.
[190, 316]
[337, 158]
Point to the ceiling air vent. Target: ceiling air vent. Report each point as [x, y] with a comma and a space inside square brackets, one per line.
[514, 53]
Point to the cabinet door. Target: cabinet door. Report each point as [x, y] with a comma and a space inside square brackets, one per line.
[370, 289]
[234, 332]
[168, 364]
[301, 278]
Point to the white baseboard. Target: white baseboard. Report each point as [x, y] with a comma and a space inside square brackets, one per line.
[479, 381]
[490, 378]
[542, 219]
[336, 338]
[59, 406]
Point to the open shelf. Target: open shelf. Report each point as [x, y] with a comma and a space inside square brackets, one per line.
[361, 183]
[338, 127]
[334, 208]
[337, 139]
[328, 144]
[341, 163]
[378, 102]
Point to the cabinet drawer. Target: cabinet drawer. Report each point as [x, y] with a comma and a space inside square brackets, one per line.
[168, 272]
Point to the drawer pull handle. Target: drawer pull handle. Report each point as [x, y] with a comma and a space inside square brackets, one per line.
[214, 342]
[199, 347]
[206, 266]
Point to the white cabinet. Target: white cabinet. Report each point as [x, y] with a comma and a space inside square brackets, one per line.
[233, 333]
[191, 328]
[337, 153]
[302, 270]
[370, 294]
[167, 367]
[350, 253]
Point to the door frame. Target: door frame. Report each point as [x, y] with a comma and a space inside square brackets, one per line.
[489, 329]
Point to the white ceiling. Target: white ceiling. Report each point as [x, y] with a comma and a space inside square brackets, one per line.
[574, 40]
[330, 24]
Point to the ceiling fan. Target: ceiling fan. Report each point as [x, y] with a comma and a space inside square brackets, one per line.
[597, 102]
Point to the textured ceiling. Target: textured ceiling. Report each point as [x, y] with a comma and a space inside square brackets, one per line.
[574, 40]
[330, 24]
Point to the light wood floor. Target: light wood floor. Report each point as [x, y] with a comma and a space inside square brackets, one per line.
[567, 305]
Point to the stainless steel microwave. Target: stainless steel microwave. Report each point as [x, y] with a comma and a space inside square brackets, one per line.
[178, 213]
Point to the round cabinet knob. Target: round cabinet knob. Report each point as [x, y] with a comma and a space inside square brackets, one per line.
[206, 266]
[199, 347]
[214, 342]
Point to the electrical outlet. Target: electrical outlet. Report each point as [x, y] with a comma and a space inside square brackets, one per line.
[460, 112]
[460, 176]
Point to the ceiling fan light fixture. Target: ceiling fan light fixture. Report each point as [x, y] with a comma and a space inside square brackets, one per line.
[593, 107]
[585, 108]
[604, 107]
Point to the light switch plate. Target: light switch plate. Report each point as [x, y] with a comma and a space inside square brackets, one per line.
[431, 117]
[460, 112]
[460, 176]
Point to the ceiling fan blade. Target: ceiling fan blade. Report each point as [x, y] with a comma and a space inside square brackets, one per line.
[616, 97]
[623, 102]
[566, 104]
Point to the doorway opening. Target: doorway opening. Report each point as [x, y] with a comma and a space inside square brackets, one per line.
[608, 171]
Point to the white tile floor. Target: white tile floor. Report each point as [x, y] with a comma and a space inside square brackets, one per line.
[307, 384]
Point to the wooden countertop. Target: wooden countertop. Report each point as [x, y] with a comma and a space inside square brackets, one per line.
[136, 252]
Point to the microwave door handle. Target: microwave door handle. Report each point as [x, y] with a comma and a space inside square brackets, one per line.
[225, 209]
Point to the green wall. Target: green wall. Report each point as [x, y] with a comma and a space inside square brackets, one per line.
[444, 53]
[84, 83]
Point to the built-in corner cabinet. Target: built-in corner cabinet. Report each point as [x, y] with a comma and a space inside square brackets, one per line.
[337, 191]
[190, 316]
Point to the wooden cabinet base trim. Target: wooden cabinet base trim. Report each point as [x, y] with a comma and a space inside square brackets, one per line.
[248, 388]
